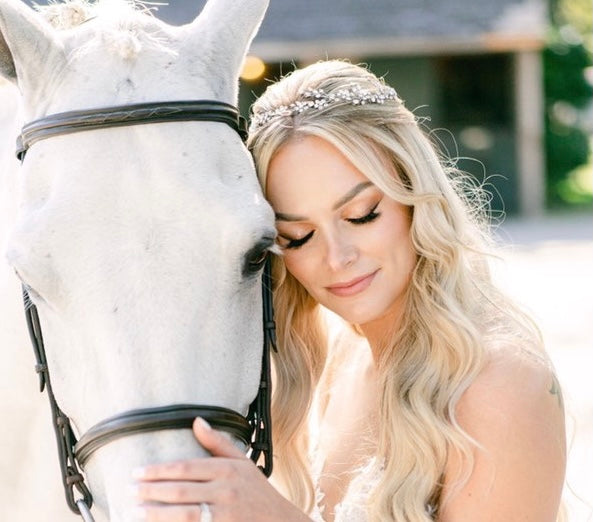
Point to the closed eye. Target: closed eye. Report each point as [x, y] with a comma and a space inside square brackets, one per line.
[367, 218]
[297, 243]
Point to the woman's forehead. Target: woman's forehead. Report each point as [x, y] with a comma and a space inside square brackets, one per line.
[311, 166]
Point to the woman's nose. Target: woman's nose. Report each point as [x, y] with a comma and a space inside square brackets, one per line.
[341, 251]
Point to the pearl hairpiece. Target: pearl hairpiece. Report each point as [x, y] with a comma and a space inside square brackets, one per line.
[317, 99]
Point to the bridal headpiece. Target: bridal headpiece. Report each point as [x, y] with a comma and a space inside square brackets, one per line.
[317, 99]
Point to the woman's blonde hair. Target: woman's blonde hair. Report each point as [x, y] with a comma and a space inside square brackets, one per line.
[453, 312]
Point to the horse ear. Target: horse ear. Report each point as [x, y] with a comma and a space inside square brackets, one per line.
[26, 44]
[226, 28]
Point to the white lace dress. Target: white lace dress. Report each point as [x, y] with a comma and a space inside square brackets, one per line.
[352, 508]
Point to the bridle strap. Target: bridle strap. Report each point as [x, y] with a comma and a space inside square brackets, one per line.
[65, 438]
[255, 430]
[260, 416]
[145, 420]
[123, 115]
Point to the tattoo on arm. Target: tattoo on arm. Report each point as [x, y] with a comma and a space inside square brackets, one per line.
[555, 390]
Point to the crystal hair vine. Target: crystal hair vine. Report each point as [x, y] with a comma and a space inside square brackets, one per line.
[317, 99]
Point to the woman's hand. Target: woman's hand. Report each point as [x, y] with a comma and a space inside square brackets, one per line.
[231, 485]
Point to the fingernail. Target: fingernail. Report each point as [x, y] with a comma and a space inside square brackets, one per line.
[204, 425]
[139, 473]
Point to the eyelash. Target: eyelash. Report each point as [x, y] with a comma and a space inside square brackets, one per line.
[367, 218]
[296, 243]
[371, 216]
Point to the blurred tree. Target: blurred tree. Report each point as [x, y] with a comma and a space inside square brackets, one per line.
[576, 13]
[568, 90]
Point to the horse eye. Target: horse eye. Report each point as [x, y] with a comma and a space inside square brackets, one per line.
[256, 258]
[255, 262]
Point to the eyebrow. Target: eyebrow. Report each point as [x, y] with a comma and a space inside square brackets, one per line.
[349, 196]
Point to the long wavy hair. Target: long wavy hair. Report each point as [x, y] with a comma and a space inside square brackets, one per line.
[453, 313]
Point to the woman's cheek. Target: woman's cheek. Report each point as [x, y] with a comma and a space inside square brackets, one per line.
[292, 264]
[298, 264]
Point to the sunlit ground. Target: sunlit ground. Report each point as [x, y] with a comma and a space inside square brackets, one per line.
[548, 267]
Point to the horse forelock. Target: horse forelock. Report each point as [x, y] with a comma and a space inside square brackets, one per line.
[122, 27]
[72, 13]
[65, 15]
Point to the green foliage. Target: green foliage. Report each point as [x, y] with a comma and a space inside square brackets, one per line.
[565, 63]
[577, 14]
[567, 91]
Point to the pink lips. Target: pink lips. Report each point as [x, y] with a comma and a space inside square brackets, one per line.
[352, 287]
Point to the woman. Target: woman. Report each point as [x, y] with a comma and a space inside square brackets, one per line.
[435, 401]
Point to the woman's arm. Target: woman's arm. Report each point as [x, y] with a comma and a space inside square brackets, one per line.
[229, 483]
[514, 411]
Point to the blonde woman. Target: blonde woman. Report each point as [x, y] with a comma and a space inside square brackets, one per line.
[434, 400]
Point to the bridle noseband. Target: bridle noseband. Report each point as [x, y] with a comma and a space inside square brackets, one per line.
[255, 429]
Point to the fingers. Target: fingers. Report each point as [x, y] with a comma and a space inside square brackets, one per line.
[172, 514]
[175, 492]
[228, 460]
[214, 441]
[185, 470]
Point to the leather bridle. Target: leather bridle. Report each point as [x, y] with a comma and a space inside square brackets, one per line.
[125, 115]
[255, 430]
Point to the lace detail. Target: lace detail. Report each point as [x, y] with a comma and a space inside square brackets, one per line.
[317, 514]
[352, 508]
[316, 468]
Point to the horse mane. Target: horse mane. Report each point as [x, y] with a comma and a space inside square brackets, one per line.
[123, 23]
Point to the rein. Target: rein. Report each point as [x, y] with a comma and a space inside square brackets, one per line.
[254, 430]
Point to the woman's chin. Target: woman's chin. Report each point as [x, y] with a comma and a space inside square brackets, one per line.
[354, 315]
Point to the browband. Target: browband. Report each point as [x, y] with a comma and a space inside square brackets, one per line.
[133, 114]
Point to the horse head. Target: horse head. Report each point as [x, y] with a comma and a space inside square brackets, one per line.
[140, 245]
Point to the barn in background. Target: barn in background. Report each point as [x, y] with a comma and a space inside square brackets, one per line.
[472, 68]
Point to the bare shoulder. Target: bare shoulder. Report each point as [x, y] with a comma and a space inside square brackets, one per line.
[514, 412]
[513, 383]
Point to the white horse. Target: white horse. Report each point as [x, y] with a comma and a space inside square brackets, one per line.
[134, 242]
